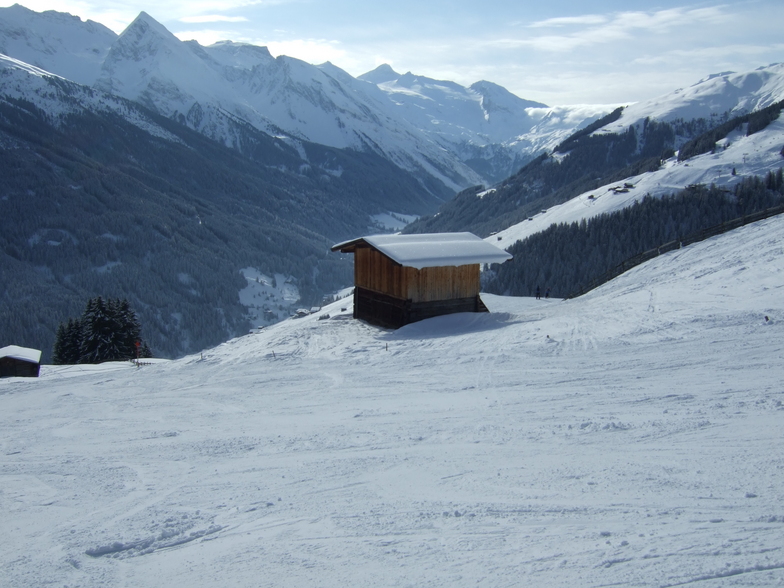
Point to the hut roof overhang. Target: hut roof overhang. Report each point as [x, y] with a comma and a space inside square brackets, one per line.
[21, 353]
[430, 250]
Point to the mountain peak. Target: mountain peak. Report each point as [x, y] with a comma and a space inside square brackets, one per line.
[712, 76]
[141, 39]
[383, 73]
[57, 42]
[144, 25]
[495, 94]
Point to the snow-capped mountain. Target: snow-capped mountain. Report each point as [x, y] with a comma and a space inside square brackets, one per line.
[453, 112]
[454, 135]
[627, 147]
[738, 155]
[744, 156]
[729, 92]
[490, 128]
[55, 41]
[22, 81]
[119, 190]
[200, 85]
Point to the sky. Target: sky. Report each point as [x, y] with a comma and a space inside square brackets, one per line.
[557, 52]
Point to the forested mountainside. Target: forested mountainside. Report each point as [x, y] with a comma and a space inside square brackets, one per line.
[584, 162]
[567, 257]
[100, 197]
[580, 163]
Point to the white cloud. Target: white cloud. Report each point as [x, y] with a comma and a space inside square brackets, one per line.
[309, 50]
[118, 14]
[588, 19]
[590, 30]
[708, 53]
[212, 18]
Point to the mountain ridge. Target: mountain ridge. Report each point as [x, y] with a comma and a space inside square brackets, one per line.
[321, 104]
[634, 145]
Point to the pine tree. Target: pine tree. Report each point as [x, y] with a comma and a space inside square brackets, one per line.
[145, 352]
[108, 331]
[129, 330]
[58, 351]
[73, 342]
[94, 331]
[67, 344]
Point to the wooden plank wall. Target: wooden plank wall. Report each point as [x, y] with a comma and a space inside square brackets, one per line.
[442, 283]
[375, 271]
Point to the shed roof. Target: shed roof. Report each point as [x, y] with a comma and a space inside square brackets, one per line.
[22, 353]
[430, 250]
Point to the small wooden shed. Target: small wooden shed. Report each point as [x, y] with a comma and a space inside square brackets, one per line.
[401, 279]
[20, 362]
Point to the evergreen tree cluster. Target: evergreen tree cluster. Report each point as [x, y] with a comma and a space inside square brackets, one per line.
[568, 257]
[706, 142]
[107, 331]
[574, 139]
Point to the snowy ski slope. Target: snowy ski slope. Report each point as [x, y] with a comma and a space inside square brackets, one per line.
[630, 437]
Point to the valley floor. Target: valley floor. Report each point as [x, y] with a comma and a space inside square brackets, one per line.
[630, 437]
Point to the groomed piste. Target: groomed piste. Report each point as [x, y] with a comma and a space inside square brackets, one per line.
[629, 437]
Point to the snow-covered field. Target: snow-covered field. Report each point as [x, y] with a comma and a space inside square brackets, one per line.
[632, 437]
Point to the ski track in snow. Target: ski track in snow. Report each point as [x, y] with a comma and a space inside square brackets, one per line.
[629, 437]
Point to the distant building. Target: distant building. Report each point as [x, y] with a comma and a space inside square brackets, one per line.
[20, 362]
[401, 279]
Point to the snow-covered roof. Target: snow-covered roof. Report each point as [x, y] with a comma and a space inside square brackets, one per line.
[22, 353]
[430, 250]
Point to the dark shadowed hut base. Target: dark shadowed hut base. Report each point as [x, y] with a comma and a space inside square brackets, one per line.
[11, 367]
[386, 311]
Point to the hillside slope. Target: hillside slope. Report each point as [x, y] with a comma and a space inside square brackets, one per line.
[102, 197]
[632, 145]
[740, 156]
[629, 437]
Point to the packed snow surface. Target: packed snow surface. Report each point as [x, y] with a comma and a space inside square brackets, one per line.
[630, 437]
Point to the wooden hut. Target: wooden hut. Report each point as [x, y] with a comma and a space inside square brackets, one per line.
[401, 279]
[20, 362]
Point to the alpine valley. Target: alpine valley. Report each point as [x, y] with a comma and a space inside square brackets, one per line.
[206, 184]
